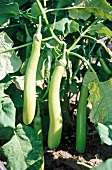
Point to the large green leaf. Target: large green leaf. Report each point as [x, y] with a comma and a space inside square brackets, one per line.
[11, 8]
[65, 26]
[101, 100]
[7, 110]
[105, 133]
[107, 165]
[9, 61]
[35, 11]
[101, 30]
[20, 2]
[100, 97]
[84, 8]
[89, 78]
[7, 115]
[7, 11]
[24, 150]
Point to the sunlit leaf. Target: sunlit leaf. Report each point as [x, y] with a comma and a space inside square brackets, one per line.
[107, 165]
[101, 100]
[66, 26]
[101, 30]
[84, 8]
[89, 78]
[7, 110]
[104, 133]
[19, 82]
[35, 11]
[9, 61]
[24, 150]
[7, 115]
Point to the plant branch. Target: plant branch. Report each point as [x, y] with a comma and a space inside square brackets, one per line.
[84, 164]
[47, 23]
[101, 43]
[22, 46]
[82, 35]
[89, 65]
[63, 9]
[15, 48]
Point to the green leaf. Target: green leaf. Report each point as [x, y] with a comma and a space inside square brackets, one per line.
[11, 8]
[7, 115]
[18, 98]
[73, 87]
[104, 133]
[79, 13]
[84, 8]
[9, 61]
[6, 133]
[4, 18]
[60, 25]
[7, 111]
[35, 11]
[107, 165]
[89, 78]
[101, 30]
[66, 26]
[101, 100]
[2, 94]
[24, 150]
[7, 11]
[19, 82]
[73, 27]
[21, 2]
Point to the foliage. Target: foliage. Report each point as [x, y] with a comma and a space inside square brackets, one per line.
[84, 26]
[104, 166]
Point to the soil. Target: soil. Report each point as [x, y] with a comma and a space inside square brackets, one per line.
[66, 157]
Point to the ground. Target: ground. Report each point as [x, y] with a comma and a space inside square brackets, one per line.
[65, 157]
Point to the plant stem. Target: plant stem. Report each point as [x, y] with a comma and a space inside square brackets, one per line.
[47, 39]
[89, 65]
[46, 92]
[9, 26]
[101, 43]
[22, 46]
[88, 36]
[64, 51]
[86, 165]
[15, 48]
[47, 23]
[63, 9]
[40, 25]
[38, 106]
[91, 50]
[82, 35]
